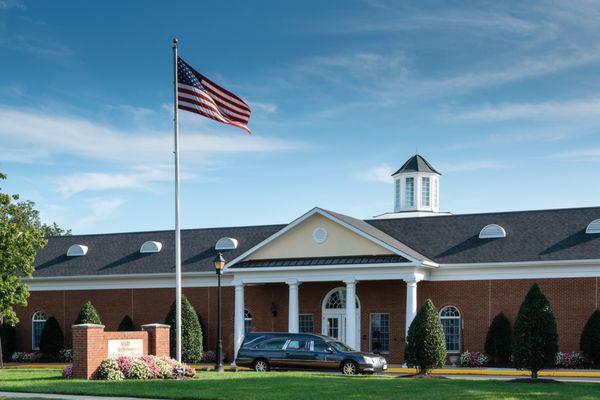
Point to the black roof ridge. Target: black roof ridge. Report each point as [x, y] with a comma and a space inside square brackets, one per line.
[489, 213]
[166, 230]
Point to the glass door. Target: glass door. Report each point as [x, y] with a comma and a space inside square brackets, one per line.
[335, 327]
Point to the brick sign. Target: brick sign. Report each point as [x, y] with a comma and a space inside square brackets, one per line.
[92, 345]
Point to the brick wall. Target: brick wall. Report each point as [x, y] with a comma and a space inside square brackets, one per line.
[573, 300]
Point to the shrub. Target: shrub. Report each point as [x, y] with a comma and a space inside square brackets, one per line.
[20, 356]
[590, 338]
[67, 372]
[569, 359]
[499, 339]
[138, 370]
[209, 357]
[426, 344]
[8, 339]
[107, 369]
[191, 334]
[66, 355]
[52, 339]
[473, 359]
[202, 329]
[126, 325]
[88, 315]
[535, 339]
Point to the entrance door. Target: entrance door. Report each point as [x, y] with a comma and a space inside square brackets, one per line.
[334, 316]
[335, 327]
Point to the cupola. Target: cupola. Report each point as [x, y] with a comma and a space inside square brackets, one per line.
[416, 186]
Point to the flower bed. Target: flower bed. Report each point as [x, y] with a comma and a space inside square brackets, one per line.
[569, 359]
[473, 359]
[144, 367]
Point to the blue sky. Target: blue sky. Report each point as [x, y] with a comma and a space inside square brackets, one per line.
[501, 97]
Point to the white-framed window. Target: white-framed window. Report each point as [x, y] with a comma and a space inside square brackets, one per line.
[450, 317]
[435, 192]
[397, 194]
[380, 333]
[409, 192]
[425, 191]
[306, 323]
[38, 320]
[247, 321]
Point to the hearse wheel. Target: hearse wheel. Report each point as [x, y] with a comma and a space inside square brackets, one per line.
[261, 365]
[349, 368]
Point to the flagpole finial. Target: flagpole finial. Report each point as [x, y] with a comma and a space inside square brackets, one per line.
[175, 41]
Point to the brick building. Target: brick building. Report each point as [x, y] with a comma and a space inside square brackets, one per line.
[298, 277]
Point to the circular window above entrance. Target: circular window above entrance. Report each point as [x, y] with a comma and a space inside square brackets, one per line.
[320, 235]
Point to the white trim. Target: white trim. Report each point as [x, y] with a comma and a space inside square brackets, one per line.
[325, 214]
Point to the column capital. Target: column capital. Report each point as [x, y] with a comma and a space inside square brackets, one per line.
[350, 281]
[292, 282]
[237, 283]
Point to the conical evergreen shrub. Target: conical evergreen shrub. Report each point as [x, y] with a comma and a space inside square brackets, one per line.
[191, 334]
[8, 339]
[535, 338]
[126, 325]
[88, 315]
[590, 338]
[498, 341]
[426, 343]
[52, 340]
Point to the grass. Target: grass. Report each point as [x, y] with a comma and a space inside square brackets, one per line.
[294, 385]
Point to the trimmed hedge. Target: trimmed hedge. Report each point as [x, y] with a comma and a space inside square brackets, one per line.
[535, 338]
[52, 340]
[590, 338]
[126, 325]
[426, 343]
[191, 333]
[8, 337]
[88, 315]
[498, 341]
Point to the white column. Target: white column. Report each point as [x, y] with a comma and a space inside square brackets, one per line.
[351, 313]
[411, 302]
[293, 307]
[238, 324]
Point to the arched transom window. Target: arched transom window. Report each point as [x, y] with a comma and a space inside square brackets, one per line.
[450, 317]
[247, 321]
[337, 300]
[37, 324]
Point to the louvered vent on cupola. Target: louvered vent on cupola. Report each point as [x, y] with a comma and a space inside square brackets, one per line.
[150, 247]
[492, 231]
[593, 227]
[77, 250]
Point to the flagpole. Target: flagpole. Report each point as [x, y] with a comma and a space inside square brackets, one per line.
[177, 228]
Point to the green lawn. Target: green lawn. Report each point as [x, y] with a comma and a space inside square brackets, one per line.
[295, 385]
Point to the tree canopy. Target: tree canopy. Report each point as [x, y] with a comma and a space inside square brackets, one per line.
[426, 343]
[21, 236]
[88, 315]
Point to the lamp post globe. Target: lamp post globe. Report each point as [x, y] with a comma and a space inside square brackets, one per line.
[219, 264]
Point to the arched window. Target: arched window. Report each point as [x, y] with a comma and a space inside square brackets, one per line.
[450, 317]
[337, 300]
[37, 324]
[247, 321]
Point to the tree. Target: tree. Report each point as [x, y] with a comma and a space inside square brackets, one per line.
[126, 324]
[88, 315]
[29, 216]
[535, 338]
[191, 334]
[498, 341]
[52, 340]
[20, 238]
[426, 343]
[8, 340]
[590, 338]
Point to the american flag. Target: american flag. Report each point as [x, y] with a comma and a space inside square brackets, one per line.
[199, 95]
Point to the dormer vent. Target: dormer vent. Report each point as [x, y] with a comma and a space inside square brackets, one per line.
[150, 247]
[492, 231]
[226, 243]
[77, 250]
[593, 228]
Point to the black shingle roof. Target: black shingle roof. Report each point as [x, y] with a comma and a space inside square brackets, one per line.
[531, 236]
[310, 261]
[416, 164]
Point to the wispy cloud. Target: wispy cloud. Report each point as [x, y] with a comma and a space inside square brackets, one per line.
[570, 109]
[7, 4]
[379, 173]
[268, 108]
[40, 47]
[584, 154]
[101, 208]
[471, 166]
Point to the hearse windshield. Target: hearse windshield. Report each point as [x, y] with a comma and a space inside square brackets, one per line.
[339, 346]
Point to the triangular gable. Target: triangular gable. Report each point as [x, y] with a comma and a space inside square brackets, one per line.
[344, 238]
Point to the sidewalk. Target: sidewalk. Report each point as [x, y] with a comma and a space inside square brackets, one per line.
[393, 368]
[66, 396]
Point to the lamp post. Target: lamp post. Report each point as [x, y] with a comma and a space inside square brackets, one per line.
[219, 263]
